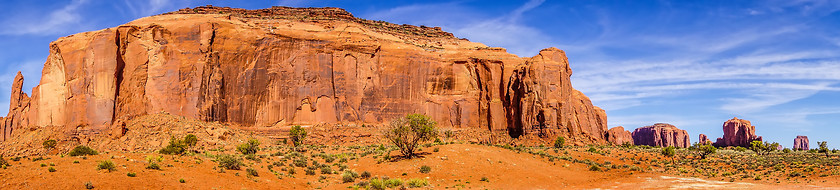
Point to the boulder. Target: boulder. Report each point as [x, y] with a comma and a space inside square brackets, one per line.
[300, 66]
[737, 132]
[661, 134]
[619, 136]
[801, 143]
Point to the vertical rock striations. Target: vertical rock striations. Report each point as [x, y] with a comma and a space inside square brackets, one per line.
[737, 132]
[300, 66]
[619, 136]
[703, 139]
[661, 134]
[801, 143]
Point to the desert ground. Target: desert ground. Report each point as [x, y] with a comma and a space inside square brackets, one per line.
[442, 164]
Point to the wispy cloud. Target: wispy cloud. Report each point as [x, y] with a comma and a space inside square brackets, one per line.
[144, 8]
[505, 30]
[53, 23]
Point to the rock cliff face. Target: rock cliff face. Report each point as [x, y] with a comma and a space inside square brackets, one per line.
[801, 143]
[619, 136]
[737, 132]
[299, 66]
[661, 134]
[703, 139]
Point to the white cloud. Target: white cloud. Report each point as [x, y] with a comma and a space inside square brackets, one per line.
[53, 23]
[150, 7]
[502, 31]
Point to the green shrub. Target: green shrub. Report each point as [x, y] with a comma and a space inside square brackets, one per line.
[326, 170]
[409, 131]
[88, 185]
[131, 174]
[82, 150]
[51, 169]
[49, 144]
[377, 184]
[416, 183]
[252, 172]
[106, 165]
[592, 150]
[349, 176]
[251, 147]
[297, 135]
[559, 142]
[182, 180]
[484, 179]
[594, 168]
[309, 171]
[152, 162]
[705, 150]
[786, 150]
[230, 162]
[365, 175]
[425, 169]
[393, 182]
[4, 163]
[179, 146]
[190, 140]
[669, 152]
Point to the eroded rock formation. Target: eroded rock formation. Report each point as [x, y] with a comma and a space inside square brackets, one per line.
[18, 109]
[286, 66]
[661, 134]
[801, 143]
[619, 136]
[703, 139]
[737, 132]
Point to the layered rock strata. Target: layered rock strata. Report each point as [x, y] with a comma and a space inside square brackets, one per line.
[661, 134]
[299, 66]
[737, 132]
[801, 143]
[619, 136]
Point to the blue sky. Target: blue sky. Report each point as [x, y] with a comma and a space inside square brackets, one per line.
[691, 64]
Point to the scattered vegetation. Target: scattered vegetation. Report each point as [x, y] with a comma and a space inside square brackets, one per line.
[179, 146]
[131, 174]
[82, 150]
[252, 172]
[349, 176]
[251, 147]
[669, 152]
[425, 169]
[152, 162]
[559, 142]
[705, 150]
[230, 162]
[409, 131]
[51, 169]
[297, 135]
[823, 148]
[106, 165]
[49, 144]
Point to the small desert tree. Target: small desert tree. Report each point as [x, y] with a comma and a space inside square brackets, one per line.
[763, 148]
[297, 134]
[705, 150]
[559, 142]
[409, 131]
[823, 147]
[669, 152]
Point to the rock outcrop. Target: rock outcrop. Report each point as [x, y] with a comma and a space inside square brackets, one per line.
[299, 66]
[737, 132]
[661, 134]
[619, 136]
[703, 139]
[801, 143]
[18, 109]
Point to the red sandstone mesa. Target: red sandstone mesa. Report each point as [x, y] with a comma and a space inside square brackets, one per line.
[619, 136]
[661, 134]
[801, 143]
[298, 66]
[737, 132]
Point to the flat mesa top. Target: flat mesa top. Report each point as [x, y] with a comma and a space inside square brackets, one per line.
[316, 15]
